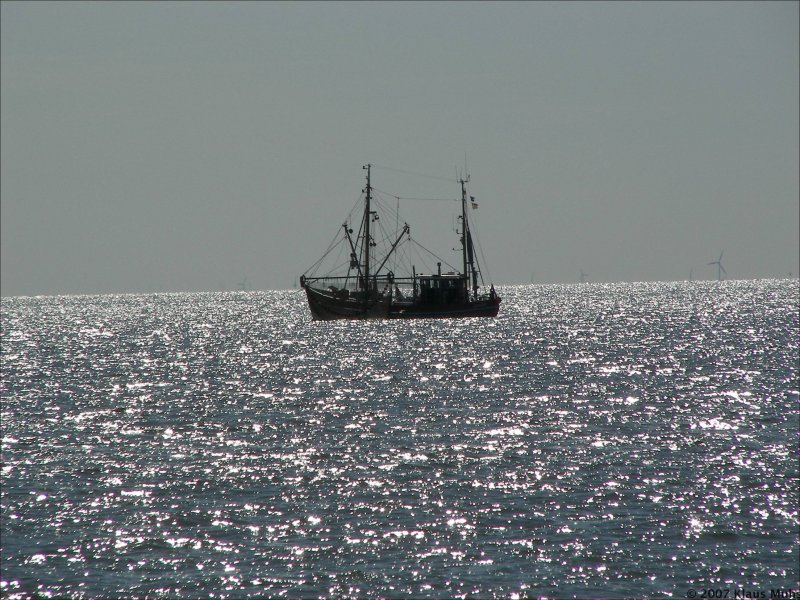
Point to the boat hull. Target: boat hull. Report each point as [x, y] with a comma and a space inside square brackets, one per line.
[329, 306]
[478, 308]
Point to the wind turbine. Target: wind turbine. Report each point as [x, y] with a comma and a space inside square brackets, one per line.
[720, 268]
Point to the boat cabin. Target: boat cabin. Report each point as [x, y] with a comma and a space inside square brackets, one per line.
[442, 289]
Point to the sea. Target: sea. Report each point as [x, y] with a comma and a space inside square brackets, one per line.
[592, 441]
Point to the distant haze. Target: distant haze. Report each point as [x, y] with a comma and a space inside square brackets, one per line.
[188, 146]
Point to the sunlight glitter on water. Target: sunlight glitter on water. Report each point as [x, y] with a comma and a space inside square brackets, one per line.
[593, 440]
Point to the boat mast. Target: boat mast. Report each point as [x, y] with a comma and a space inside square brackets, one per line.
[367, 239]
[464, 227]
[471, 254]
[467, 251]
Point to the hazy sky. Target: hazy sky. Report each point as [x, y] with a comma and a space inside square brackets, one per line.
[186, 146]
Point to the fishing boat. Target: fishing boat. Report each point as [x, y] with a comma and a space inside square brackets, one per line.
[372, 282]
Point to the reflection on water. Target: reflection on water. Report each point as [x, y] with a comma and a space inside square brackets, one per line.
[614, 440]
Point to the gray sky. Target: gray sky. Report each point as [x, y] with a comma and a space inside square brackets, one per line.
[186, 146]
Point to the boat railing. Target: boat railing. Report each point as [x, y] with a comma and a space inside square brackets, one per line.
[350, 285]
[332, 284]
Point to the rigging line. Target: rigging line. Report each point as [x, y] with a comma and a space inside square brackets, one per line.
[439, 177]
[396, 230]
[430, 199]
[478, 264]
[483, 258]
[339, 256]
[382, 203]
[397, 218]
[477, 244]
[380, 191]
[436, 256]
[356, 205]
[316, 266]
[425, 258]
[414, 250]
[334, 242]
[410, 198]
[383, 207]
[337, 268]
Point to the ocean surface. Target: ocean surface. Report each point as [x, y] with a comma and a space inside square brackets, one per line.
[619, 440]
